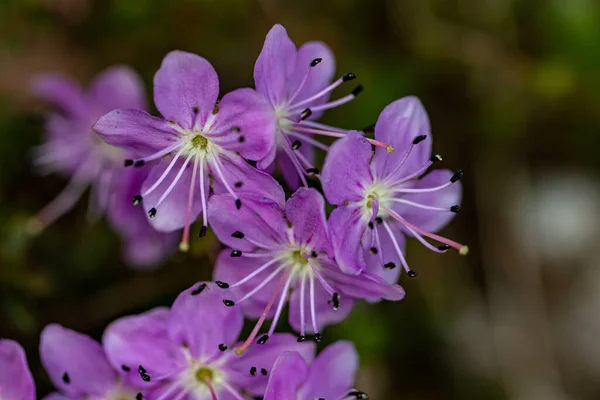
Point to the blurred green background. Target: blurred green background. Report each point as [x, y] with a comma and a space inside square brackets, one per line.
[512, 88]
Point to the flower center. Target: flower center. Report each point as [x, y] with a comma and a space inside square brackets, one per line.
[375, 197]
[199, 141]
[204, 374]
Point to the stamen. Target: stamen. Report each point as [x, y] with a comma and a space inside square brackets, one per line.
[426, 207]
[222, 347]
[263, 371]
[397, 247]
[253, 371]
[199, 289]
[294, 160]
[155, 156]
[174, 182]
[236, 253]
[440, 249]
[256, 272]
[282, 300]
[164, 175]
[240, 350]
[300, 128]
[204, 228]
[424, 190]
[307, 139]
[222, 285]
[305, 114]
[326, 285]
[263, 339]
[347, 77]
[66, 378]
[237, 235]
[416, 140]
[313, 64]
[313, 313]
[184, 245]
[435, 158]
[217, 165]
[143, 374]
[462, 249]
[256, 255]
[296, 145]
[302, 287]
[261, 285]
[332, 104]
[318, 125]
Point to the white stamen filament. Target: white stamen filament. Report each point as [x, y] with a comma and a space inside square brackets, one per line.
[317, 95]
[301, 85]
[257, 271]
[396, 246]
[324, 283]
[326, 106]
[419, 205]
[462, 249]
[293, 158]
[415, 174]
[302, 288]
[162, 152]
[262, 284]
[423, 190]
[164, 175]
[202, 194]
[313, 313]
[282, 299]
[423, 241]
[185, 239]
[308, 139]
[217, 165]
[174, 182]
[318, 125]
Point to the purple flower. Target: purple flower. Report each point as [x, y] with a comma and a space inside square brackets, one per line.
[279, 248]
[297, 83]
[330, 376]
[379, 197]
[78, 367]
[184, 353]
[197, 139]
[16, 382]
[72, 148]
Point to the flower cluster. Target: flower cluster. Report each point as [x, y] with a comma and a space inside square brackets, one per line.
[210, 158]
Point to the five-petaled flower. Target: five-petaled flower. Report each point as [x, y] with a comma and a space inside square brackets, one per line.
[330, 376]
[297, 83]
[72, 148]
[185, 352]
[379, 197]
[279, 247]
[198, 136]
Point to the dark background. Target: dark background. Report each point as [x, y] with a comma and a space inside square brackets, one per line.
[512, 88]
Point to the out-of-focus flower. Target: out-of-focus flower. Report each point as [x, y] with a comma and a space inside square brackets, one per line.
[78, 367]
[330, 376]
[183, 353]
[279, 248]
[73, 149]
[205, 137]
[297, 83]
[16, 382]
[379, 197]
